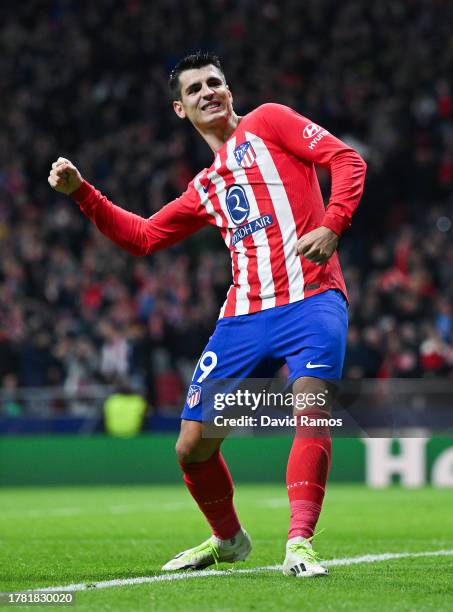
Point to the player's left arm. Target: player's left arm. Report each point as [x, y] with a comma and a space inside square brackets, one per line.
[311, 142]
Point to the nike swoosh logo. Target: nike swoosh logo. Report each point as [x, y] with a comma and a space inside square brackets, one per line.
[311, 365]
[206, 189]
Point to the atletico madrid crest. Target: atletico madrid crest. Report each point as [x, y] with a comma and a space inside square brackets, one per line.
[193, 396]
[245, 154]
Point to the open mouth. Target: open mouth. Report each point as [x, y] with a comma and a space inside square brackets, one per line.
[211, 106]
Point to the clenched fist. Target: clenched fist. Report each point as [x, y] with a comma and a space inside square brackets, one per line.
[318, 245]
[64, 176]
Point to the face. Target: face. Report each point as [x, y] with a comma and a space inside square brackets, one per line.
[205, 97]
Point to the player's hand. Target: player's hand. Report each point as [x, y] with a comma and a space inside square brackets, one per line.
[64, 176]
[318, 245]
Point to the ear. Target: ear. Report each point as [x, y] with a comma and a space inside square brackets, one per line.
[179, 109]
[230, 95]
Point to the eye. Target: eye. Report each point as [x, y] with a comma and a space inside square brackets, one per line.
[193, 89]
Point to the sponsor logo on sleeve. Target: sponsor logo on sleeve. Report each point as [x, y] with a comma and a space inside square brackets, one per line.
[311, 129]
[316, 132]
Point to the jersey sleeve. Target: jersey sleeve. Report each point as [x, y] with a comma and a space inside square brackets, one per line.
[312, 143]
[137, 235]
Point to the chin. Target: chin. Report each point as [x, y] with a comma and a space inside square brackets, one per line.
[217, 118]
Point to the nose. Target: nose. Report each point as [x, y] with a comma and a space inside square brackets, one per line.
[206, 90]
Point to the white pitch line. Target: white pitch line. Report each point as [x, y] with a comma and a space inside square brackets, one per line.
[233, 572]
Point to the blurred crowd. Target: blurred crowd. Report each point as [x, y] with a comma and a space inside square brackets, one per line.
[88, 81]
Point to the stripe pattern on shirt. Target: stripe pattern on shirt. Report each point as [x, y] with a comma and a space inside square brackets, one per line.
[266, 271]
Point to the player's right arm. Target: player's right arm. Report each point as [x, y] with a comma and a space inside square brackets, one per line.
[137, 235]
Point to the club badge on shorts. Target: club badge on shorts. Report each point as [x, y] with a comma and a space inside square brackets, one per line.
[193, 396]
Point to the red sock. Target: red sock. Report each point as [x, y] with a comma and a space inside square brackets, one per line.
[211, 486]
[306, 475]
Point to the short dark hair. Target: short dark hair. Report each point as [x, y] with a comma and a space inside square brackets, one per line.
[194, 60]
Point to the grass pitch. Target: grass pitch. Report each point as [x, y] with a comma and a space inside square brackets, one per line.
[62, 536]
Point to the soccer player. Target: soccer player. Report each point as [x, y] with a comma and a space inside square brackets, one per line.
[287, 302]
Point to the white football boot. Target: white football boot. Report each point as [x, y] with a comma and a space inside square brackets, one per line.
[301, 560]
[212, 551]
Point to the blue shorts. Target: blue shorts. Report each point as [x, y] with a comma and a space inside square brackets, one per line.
[309, 336]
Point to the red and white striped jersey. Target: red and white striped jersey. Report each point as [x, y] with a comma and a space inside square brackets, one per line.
[263, 194]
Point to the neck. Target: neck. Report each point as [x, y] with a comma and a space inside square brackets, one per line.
[217, 136]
